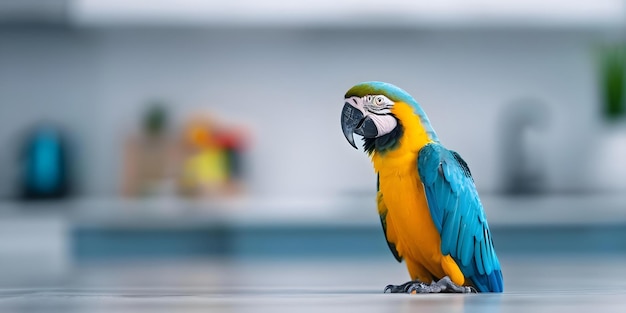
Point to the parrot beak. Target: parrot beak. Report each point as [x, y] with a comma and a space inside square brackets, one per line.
[353, 121]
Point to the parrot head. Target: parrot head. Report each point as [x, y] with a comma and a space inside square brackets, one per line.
[380, 112]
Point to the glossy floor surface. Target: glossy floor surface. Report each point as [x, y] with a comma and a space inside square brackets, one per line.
[552, 284]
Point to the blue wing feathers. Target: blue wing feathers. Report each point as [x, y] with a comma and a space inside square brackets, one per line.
[496, 280]
[478, 258]
[461, 241]
[458, 216]
[437, 216]
[450, 233]
[467, 249]
[486, 257]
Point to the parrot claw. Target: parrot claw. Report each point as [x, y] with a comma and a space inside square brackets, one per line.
[444, 285]
[404, 288]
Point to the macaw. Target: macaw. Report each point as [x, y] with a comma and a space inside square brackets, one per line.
[429, 208]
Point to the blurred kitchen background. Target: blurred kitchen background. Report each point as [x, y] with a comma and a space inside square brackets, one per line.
[135, 131]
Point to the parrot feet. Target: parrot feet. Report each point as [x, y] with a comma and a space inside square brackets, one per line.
[444, 285]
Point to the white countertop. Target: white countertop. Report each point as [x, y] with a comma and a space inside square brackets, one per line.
[531, 285]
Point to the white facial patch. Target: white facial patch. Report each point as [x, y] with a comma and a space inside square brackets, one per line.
[377, 104]
[384, 123]
[378, 109]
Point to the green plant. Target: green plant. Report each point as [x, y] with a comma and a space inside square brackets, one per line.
[155, 119]
[613, 77]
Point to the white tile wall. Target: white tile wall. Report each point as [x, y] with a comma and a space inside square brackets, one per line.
[288, 85]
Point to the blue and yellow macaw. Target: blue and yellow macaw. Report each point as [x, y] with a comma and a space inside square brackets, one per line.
[429, 208]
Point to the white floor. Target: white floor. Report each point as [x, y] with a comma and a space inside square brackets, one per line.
[555, 284]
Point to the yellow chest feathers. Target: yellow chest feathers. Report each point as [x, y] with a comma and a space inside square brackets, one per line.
[413, 138]
[410, 224]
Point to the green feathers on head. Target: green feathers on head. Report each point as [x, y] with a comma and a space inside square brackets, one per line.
[392, 92]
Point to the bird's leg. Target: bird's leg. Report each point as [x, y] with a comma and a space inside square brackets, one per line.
[450, 287]
[444, 285]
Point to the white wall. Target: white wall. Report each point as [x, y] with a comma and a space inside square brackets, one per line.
[288, 84]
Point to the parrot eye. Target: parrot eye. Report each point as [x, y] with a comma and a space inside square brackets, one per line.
[379, 100]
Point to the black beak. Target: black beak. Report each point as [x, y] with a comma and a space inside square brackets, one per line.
[353, 121]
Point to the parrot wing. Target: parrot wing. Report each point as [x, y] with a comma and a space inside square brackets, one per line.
[458, 215]
[387, 223]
